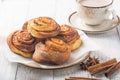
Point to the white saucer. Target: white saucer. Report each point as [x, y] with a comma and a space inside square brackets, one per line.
[109, 24]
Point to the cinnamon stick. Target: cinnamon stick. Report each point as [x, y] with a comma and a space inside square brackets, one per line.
[81, 78]
[84, 78]
[112, 69]
[101, 66]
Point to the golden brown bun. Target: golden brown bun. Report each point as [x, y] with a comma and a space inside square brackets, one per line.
[22, 43]
[70, 36]
[54, 50]
[24, 27]
[42, 27]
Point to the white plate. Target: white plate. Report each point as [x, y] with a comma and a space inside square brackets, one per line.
[108, 24]
[76, 57]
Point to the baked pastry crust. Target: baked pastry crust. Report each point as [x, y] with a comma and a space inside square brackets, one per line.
[24, 27]
[42, 27]
[70, 36]
[53, 51]
[22, 43]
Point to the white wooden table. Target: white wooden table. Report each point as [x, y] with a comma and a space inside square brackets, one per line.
[13, 13]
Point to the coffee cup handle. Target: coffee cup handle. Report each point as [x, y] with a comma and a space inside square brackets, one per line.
[111, 14]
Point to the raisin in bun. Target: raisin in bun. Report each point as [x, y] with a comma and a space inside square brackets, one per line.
[42, 27]
[70, 36]
[53, 50]
[22, 43]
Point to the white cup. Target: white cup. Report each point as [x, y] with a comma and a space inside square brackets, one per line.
[93, 14]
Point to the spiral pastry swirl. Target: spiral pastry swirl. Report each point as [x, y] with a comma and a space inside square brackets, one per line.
[22, 43]
[54, 50]
[42, 27]
[70, 36]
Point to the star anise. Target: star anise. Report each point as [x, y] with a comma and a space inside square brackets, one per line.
[90, 62]
[83, 66]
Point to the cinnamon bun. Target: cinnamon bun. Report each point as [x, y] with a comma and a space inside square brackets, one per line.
[22, 43]
[70, 36]
[53, 50]
[42, 27]
[24, 27]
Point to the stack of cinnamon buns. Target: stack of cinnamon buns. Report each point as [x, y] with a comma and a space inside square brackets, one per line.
[45, 41]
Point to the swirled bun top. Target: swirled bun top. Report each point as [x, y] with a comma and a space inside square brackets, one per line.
[42, 27]
[22, 43]
[54, 50]
[70, 35]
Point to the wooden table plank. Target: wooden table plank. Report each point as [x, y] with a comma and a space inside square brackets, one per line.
[27, 73]
[116, 6]
[108, 42]
[63, 9]
[42, 8]
[73, 71]
[11, 18]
